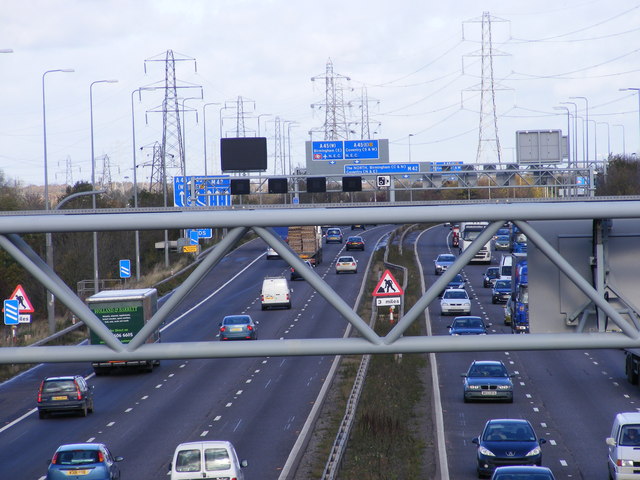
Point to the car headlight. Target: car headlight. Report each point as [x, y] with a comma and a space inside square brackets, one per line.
[535, 451]
[485, 451]
[473, 387]
[624, 463]
[504, 387]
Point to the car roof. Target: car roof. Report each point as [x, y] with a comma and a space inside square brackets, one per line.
[62, 377]
[487, 362]
[236, 316]
[80, 446]
[522, 469]
[509, 420]
[205, 444]
[448, 255]
[629, 417]
[455, 290]
[342, 259]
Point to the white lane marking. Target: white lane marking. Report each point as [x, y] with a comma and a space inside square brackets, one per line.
[159, 385]
[528, 395]
[145, 397]
[239, 392]
[248, 380]
[564, 463]
[90, 440]
[543, 424]
[204, 434]
[229, 404]
[237, 425]
[536, 409]
[111, 424]
[552, 442]
[128, 410]
[217, 419]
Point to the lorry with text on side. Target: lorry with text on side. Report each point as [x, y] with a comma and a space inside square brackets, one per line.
[519, 293]
[306, 241]
[124, 312]
[469, 231]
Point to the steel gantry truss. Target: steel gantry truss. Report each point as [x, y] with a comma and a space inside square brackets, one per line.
[242, 219]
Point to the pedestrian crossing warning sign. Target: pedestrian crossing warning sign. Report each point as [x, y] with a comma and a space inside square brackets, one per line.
[387, 286]
[24, 304]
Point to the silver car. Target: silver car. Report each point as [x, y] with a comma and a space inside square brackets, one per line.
[442, 262]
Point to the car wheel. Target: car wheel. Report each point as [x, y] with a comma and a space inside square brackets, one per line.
[42, 414]
[264, 307]
[493, 300]
[337, 272]
[84, 411]
[91, 407]
[466, 400]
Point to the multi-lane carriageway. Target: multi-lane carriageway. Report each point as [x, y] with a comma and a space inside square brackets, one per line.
[261, 404]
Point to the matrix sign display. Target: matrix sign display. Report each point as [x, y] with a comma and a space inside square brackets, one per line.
[345, 150]
[243, 154]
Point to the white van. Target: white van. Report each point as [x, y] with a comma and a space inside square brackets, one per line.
[208, 459]
[275, 293]
[506, 263]
[624, 447]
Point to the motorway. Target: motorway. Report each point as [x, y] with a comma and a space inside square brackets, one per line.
[261, 404]
[570, 397]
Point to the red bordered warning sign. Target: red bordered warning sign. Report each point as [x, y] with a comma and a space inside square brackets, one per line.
[24, 304]
[388, 286]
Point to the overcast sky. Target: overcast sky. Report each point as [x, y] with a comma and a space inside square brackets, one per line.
[418, 60]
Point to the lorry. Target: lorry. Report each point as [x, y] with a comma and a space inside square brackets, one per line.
[469, 231]
[124, 312]
[306, 241]
[519, 293]
[518, 240]
[283, 233]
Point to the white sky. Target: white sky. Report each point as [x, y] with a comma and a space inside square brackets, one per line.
[408, 53]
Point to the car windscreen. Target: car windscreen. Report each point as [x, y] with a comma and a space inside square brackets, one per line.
[188, 460]
[54, 386]
[77, 457]
[345, 259]
[456, 295]
[509, 432]
[236, 321]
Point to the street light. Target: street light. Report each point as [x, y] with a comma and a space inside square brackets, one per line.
[48, 239]
[608, 137]
[568, 130]
[575, 135]
[586, 122]
[93, 184]
[624, 150]
[204, 121]
[410, 135]
[635, 89]
[262, 115]
[184, 132]
[51, 300]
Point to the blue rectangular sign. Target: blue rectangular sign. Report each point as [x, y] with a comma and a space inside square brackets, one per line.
[125, 268]
[361, 149]
[327, 150]
[382, 168]
[11, 312]
[447, 166]
[211, 191]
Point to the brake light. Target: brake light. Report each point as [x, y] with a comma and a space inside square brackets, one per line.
[54, 460]
[249, 328]
[40, 392]
[262, 298]
[78, 392]
[222, 329]
[100, 457]
[287, 296]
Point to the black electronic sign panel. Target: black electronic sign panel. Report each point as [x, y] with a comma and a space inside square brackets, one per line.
[243, 154]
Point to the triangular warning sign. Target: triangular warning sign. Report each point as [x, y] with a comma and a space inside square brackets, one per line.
[387, 286]
[24, 304]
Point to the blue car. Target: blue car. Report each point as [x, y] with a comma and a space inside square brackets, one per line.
[501, 291]
[89, 461]
[507, 441]
[522, 473]
[468, 325]
[238, 327]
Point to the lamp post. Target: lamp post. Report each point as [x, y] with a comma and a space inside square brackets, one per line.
[93, 184]
[221, 109]
[410, 135]
[595, 139]
[608, 137]
[290, 124]
[262, 115]
[637, 90]
[568, 130]
[184, 131]
[575, 134]
[624, 149]
[48, 239]
[586, 130]
[204, 121]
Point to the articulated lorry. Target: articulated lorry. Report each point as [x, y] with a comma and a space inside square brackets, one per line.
[283, 233]
[306, 241]
[469, 231]
[519, 293]
[124, 312]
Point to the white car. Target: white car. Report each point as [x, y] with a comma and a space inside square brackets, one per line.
[455, 301]
[346, 264]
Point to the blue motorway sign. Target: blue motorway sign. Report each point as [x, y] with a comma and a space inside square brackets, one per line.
[11, 313]
[382, 168]
[447, 167]
[367, 149]
[327, 150]
[345, 150]
[125, 268]
[210, 191]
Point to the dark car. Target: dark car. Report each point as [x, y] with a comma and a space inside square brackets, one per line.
[457, 282]
[88, 461]
[468, 325]
[490, 276]
[442, 262]
[354, 243]
[501, 291]
[522, 473]
[487, 380]
[507, 441]
[238, 327]
[502, 242]
[295, 274]
[65, 394]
